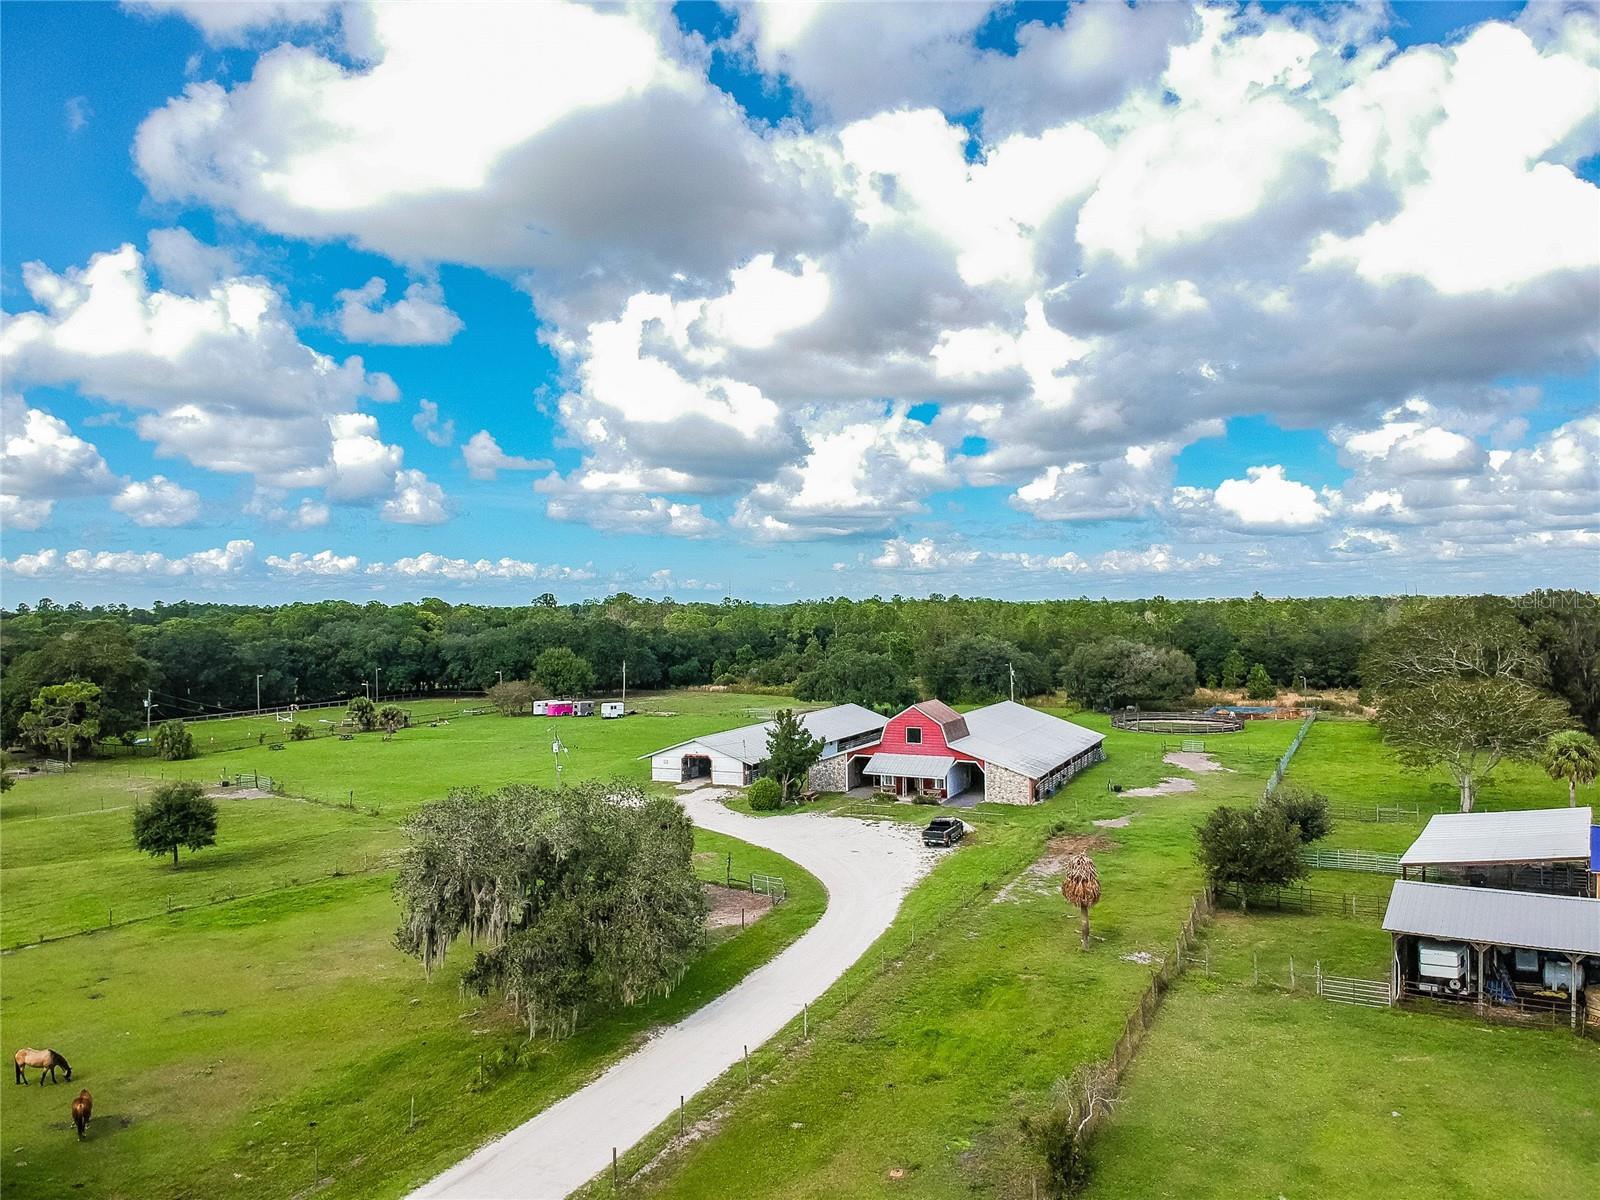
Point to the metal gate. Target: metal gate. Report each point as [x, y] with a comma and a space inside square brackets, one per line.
[1372, 993]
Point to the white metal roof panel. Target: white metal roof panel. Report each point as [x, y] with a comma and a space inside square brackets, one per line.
[1567, 924]
[920, 766]
[1531, 835]
[748, 743]
[1023, 739]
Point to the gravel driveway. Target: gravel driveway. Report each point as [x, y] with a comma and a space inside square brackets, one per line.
[867, 867]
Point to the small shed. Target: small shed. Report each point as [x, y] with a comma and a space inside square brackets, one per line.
[1492, 946]
[1535, 850]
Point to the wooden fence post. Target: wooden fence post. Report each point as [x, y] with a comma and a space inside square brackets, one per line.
[1291, 972]
[1255, 966]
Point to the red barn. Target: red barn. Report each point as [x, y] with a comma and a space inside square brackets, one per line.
[1007, 753]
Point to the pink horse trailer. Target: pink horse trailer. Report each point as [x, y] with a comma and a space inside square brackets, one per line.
[559, 708]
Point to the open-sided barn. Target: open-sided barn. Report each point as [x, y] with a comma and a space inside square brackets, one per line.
[1494, 947]
[734, 757]
[1539, 850]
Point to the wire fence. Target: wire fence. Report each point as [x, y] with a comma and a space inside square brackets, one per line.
[368, 864]
[1288, 755]
[1303, 900]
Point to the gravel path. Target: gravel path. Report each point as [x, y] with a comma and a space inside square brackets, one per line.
[867, 867]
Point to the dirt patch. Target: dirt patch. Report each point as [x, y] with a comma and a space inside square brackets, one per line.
[1115, 822]
[1170, 786]
[1191, 760]
[730, 906]
[1039, 878]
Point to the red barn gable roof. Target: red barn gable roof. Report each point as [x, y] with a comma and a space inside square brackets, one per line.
[948, 719]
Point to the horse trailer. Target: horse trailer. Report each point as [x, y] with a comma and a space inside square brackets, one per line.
[610, 709]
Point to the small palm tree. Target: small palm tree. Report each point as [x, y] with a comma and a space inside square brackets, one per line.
[1574, 756]
[1081, 889]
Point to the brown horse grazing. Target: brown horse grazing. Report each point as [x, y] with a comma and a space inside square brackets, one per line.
[82, 1107]
[46, 1062]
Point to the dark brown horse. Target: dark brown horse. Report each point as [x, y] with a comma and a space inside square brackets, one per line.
[82, 1108]
[45, 1061]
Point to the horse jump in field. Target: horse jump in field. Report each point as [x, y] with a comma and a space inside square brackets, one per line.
[82, 1108]
[45, 1061]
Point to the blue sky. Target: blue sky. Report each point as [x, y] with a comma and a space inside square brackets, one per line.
[1027, 300]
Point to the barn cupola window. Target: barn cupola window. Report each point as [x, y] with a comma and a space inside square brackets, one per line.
[914, 736]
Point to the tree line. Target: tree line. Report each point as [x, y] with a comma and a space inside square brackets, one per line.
[197, 658]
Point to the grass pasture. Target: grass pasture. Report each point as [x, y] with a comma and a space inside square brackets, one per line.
[923, 1057]
[231, 1025]
[1244, 1092]
[192, 1027]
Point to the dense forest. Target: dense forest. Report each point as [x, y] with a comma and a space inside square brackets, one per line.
[202, 658]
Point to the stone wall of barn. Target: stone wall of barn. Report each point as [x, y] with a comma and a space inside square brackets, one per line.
[1001, 786]
[829, 775]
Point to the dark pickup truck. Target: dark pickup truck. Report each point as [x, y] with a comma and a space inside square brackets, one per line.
[944, 831]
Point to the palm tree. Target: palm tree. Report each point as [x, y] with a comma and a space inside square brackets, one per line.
[1574, 756]
[1081, 888]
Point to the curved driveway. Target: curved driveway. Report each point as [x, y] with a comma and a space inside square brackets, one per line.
[867, 867]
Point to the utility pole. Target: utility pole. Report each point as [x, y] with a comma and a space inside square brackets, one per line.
[258, 695]
[500, 675]
[1013, 672]
[376, 694]
[147, 694]
[624, 685]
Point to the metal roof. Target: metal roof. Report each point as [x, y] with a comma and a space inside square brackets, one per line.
[950, 721]
[1567, 924]
[922, 766]
[1023, 739]
[748, 743]
[1482, 838]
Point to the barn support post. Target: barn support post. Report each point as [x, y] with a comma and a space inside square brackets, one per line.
[1480, 947]
[1572, 988]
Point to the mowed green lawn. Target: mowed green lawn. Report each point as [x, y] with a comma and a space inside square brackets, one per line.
[212, 1037]
[1244, 1093]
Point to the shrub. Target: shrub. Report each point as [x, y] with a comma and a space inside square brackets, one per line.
[173, 741]
[1260, 686]
[766, 795]
[300, 731]
[1306, 810]
[1250, 848]
[364, 713]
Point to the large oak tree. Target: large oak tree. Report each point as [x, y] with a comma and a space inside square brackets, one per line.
[1459, 685]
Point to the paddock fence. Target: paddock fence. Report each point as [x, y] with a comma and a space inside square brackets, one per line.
[370, 864]
[1288, 755]
[1372, 862]
[1303, 900]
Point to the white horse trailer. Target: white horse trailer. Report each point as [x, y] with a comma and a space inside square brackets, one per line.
[610, 709]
